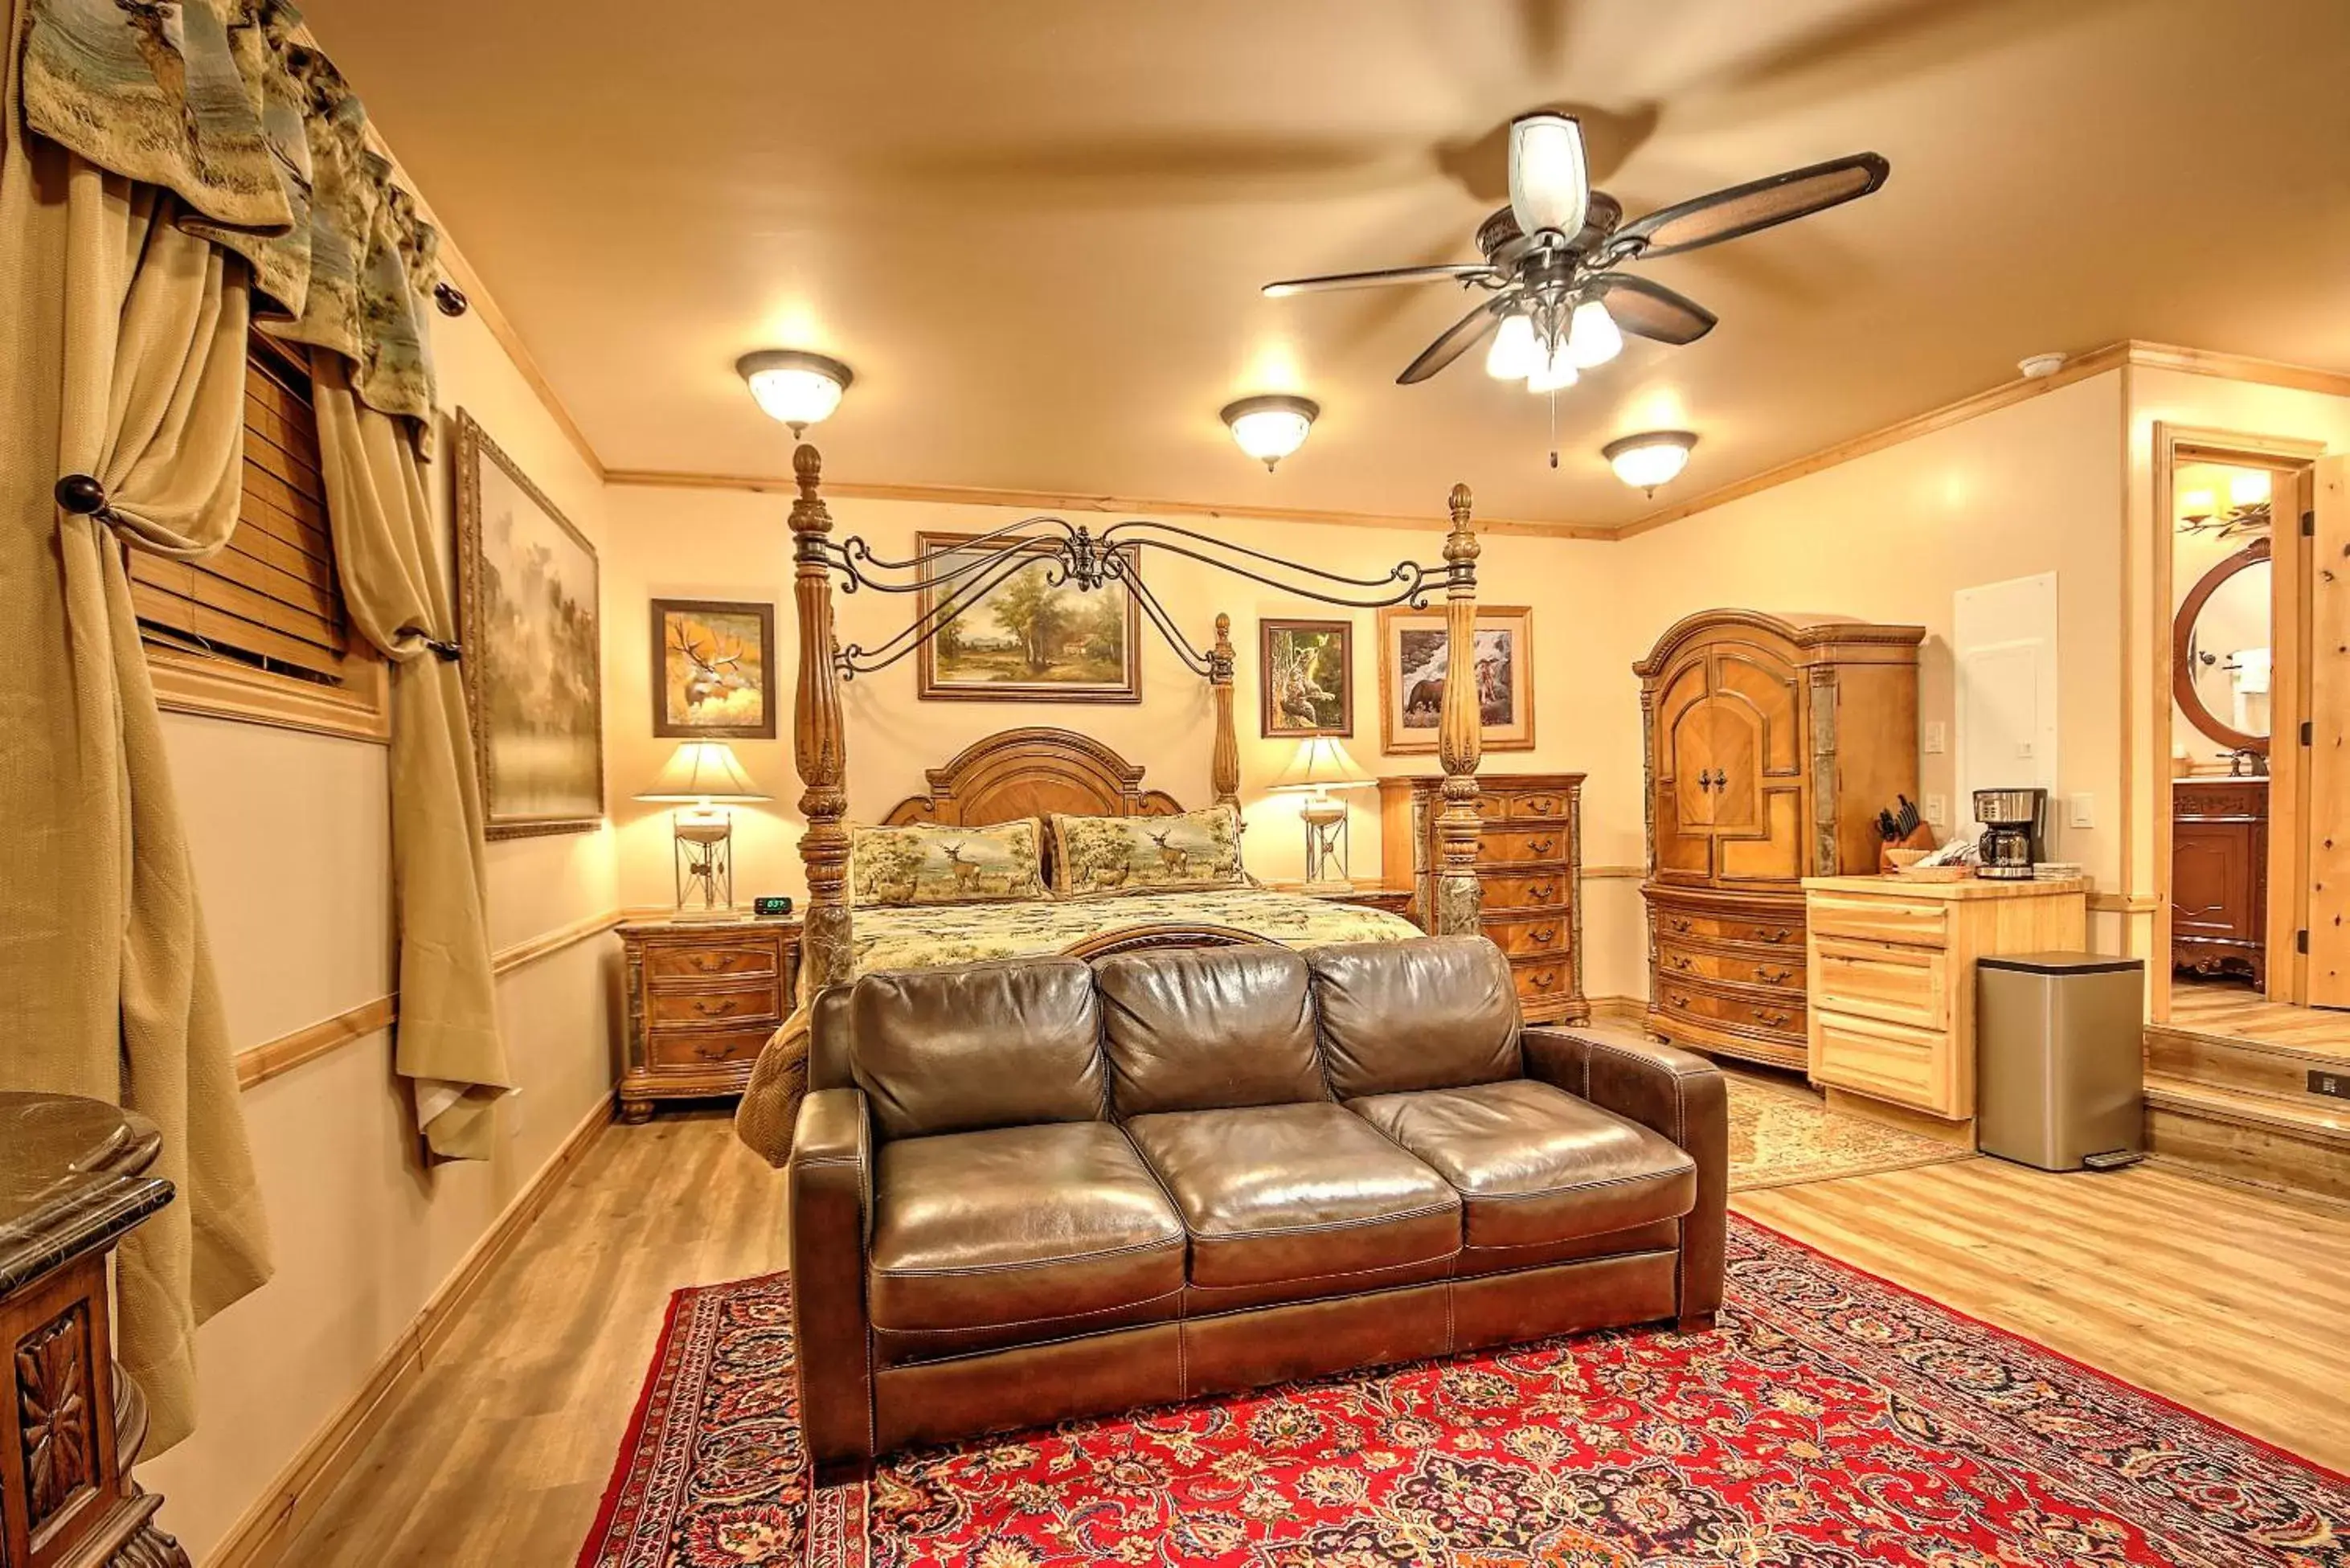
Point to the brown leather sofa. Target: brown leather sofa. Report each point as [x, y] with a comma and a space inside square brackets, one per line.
[1035, 1189]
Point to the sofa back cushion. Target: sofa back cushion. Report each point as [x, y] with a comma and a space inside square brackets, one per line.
[1438, 1013]
[831, 1027]
[1208, 1028]
[1010, 1042]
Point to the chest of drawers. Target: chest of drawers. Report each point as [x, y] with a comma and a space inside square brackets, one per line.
[703, 997]
[1529, 859]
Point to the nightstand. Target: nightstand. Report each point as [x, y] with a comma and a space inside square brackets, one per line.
[703, 998]
[1395, 897]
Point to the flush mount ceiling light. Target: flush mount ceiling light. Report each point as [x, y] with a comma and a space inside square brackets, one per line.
[1270, 427]
[795, 386]
[1649, 459]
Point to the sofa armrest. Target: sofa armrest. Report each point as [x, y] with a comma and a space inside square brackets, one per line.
[1671, 1091]
[831, 1209]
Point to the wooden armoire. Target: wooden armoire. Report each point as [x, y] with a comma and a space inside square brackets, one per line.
[1771, 743]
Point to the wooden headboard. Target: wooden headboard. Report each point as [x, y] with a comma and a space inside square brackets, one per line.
[1032, 771]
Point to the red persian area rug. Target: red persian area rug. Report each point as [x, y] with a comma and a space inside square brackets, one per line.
[1832, 1420]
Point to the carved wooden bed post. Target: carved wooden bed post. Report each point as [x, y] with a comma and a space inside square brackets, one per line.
[1461, 738]
[818, 746]
[1224, 759]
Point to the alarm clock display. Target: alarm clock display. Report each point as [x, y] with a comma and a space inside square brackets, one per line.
[771, 907]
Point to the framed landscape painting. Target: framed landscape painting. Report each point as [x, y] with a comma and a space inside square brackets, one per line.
[1413, 674]
[526, 621]
[1306, 678]
[1026, 638]
[713, 670]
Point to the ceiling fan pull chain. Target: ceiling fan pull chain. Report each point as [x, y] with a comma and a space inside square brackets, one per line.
[1553, 428]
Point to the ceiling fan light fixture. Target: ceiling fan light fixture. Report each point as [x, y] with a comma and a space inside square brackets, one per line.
[1271, 427]
[1649, 459]
[1553, 372]
[1514, 354]
[1550, 182]
[795, 386]
[1592, 336]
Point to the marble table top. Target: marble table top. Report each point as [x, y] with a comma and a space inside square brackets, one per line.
[71, 1179]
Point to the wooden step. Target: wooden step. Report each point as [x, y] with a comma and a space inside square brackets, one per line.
[2246, 1067]
[2299, 1145]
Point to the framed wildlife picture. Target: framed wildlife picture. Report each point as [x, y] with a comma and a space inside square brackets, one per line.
[1413, 675]
[713, 670]
[1306, 672]
[527, 624]
[1026, 637]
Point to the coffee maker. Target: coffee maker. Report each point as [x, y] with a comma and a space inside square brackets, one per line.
[2015, 832]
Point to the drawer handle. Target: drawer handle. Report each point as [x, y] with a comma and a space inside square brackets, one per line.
[1542, 892]
[1539, 805]
[1680, 960]
[1543, 936]
[1681, 927]
[1545, 979]
[1781, 935]
[1774, 976]
[709, 1008]
[712, 1050]
[708, 963]
[1680, 998]
[1541, 845]
[1774, 1020]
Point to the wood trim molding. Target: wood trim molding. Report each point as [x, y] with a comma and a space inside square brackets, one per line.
[1605, 873]
[272, 1058]
[2124, 903]
[186, 682]
[1620, 1012]
[262, 1535]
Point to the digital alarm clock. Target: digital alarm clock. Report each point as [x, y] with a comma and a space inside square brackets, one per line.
[771, 907]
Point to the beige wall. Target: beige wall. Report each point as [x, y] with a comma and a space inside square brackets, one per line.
[291, 840]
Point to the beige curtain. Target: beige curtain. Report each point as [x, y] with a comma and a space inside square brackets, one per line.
[124, 360]
[396, 588]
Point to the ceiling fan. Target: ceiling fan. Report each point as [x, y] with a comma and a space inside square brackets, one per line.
[1557, 306]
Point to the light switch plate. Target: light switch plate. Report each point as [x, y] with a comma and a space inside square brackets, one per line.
[2083, 810]
[1937, 739]
[1938, 808]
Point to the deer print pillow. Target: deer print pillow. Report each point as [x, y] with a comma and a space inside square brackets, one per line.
[1096, 856]
[928, 864]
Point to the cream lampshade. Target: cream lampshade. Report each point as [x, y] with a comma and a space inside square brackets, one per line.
[1320, 766]
[700, 777]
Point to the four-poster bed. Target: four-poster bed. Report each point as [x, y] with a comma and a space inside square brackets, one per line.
[1039, 773]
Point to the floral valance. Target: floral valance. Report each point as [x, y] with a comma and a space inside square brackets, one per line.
[227, 104]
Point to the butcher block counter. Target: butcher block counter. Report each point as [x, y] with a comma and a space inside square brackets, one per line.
[1892, 987]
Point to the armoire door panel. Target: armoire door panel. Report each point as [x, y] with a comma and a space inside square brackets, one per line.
[1689, 742]
[1774, 853]
[1680, 856]
[1734, 746]
[1770, 689]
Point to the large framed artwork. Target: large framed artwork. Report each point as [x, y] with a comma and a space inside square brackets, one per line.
[1305, 673]
[526, 620]
[711, 675]
[1028, 637]
[1413, 675]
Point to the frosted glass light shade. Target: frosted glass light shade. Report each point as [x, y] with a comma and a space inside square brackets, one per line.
[1592, 336]
[1551, 373]
[1514, 352]
[2249, 488]
[1649, 460]
[794, 387]
[703, 771]
[1270, 427]
[1321, 763]
[1550, 188]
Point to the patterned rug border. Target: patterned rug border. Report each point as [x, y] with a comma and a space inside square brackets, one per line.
[624, 1459]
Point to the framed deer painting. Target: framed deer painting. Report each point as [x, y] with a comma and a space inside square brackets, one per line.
[1412, 678]
[1307, 673]
[712, 661]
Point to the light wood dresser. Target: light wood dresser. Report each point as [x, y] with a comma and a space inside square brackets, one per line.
[1772, 743]
[1892, 991]
[703, 997]
[1529, 859]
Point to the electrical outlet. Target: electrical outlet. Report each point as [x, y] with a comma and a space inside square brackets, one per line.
[2324, 1083]
[1937, 739]
[1937, 808]
[2084, 811]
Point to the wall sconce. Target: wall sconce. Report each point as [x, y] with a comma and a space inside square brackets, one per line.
[1320, 766]
[700, 775]
[795, 386]
[1652, 458]
[1270, 427]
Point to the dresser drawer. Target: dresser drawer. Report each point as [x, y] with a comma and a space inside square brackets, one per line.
[1878, 920]
[1542, 981]
[1749, 966]
[1888, 1061]
[1532, 936]
[1506, 891]
[1770, 933]
[706, 1047]
[1780, 1014]
[712, 1003]
[1881, 979]
[667, 964]
[1535, 805]
[1515, 843]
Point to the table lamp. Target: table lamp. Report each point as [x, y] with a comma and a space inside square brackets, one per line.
[1320, 766]
[700, 777]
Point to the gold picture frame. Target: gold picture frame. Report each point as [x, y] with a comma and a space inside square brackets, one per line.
[1095, 656]
[1412, 653]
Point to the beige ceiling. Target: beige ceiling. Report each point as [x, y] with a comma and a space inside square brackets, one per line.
[1037, 227]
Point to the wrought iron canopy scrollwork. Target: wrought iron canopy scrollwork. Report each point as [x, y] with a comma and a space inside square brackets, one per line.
[1075, 555]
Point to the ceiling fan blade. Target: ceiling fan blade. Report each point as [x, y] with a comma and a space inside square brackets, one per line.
[1465, 272]
[1758, 205]
[1458, 339]
[1652, 310]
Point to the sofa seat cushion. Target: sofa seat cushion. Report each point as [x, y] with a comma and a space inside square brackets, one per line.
[1535, 1165]
[1279, 1194]
[1018, 1225]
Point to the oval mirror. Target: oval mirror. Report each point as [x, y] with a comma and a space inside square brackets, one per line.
[2219, 650]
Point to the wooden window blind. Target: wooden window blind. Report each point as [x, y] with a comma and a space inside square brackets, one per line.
[270, 601]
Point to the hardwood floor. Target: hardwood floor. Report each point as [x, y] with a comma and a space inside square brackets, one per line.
[2229, 1300]
[2239, 1013]
[499, 1455]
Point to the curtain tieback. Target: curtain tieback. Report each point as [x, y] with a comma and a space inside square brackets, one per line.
[448, 652]
[84, 496]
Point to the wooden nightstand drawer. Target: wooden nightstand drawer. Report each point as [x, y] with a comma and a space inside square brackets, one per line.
[1754, 1011]
[736, 1004]
[1740, 966]
[1764, 932]
[707, 1047]
[1506, 891]
[667, 963]
[1542, 981]
[1519, 845]
[1534, 936]
[1536, 806]
[1881, 979]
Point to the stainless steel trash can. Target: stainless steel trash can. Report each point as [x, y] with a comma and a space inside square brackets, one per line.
[2060, 1062]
